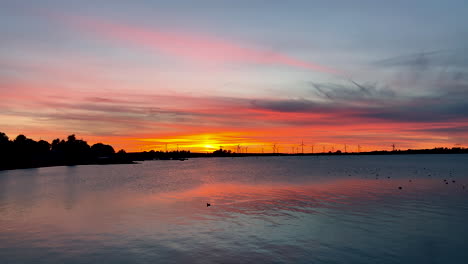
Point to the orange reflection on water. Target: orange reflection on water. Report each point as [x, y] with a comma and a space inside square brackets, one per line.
[282, 198]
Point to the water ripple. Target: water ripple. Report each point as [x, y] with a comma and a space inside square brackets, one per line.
[265, 210]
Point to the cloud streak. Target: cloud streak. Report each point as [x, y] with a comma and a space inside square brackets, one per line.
[200, 48]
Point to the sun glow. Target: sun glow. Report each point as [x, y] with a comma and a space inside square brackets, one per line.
[203, 142]
[207, 146]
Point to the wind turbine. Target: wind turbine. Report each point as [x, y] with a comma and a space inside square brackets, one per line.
[302, 146]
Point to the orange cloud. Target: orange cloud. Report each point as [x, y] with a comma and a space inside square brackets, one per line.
[143, 122]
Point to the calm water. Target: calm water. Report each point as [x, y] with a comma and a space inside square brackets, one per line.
[264, 210]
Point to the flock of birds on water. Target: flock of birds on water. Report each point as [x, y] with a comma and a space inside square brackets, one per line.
[376, 173]
[423, 171]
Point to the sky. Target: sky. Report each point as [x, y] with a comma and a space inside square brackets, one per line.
[203, 74]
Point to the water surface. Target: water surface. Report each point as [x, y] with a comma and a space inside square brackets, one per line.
[345, 209]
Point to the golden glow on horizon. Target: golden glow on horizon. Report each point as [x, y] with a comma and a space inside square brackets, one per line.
[202, 142]
[238, 141]
[209, 147]
[197, 145]
[234, 142]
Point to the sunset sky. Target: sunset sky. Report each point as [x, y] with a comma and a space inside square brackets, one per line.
[202, 74]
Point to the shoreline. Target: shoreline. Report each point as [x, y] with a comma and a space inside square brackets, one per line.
[233, 155]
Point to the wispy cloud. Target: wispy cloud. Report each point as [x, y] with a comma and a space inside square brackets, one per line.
[320, 121]
[444, 71]
[351, 92]
[416, 60]
[201, 48]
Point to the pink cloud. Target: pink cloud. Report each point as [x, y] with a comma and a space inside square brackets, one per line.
[196, 47]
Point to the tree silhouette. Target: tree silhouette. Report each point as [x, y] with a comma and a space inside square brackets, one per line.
[221, 152]
[102, 150]
[121, 152]
[23, 152]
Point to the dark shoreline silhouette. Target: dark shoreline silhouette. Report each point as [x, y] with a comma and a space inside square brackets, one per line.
[23, 152]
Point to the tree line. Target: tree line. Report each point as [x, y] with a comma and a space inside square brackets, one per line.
[23, 152]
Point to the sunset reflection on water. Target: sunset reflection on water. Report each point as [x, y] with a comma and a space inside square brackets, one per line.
[301, 210]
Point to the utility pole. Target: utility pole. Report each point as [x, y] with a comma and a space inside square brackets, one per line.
[345, 148]
[312, 149]
[393, 147]
[302, 146]
[359, 148]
